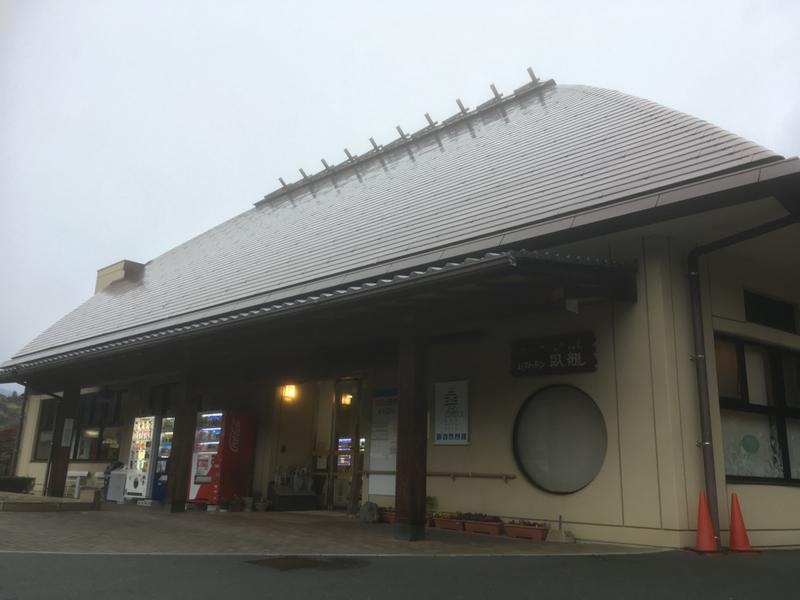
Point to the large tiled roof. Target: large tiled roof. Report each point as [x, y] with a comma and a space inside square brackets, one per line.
[543, 153]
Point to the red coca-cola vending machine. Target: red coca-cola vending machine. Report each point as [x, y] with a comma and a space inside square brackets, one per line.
[222, 464]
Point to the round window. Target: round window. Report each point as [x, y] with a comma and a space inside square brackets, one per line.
[560, 439]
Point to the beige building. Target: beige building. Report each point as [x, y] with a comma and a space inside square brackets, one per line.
[495, 312]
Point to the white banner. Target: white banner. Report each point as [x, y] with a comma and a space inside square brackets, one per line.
[451, 413]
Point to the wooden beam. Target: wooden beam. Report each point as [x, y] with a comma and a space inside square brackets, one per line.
[412, 441]
[63, 434]
[358, 460]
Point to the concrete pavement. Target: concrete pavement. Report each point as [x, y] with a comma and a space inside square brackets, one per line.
[140, 530]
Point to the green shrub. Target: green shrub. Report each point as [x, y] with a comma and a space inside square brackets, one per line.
[19, 485]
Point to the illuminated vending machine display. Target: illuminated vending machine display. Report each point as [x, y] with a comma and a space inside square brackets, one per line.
[344, 454]
[222, 463]
[162, 458]
[139, 480]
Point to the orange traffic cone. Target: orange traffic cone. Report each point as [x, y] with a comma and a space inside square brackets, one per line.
[705, 542]
[739, 540]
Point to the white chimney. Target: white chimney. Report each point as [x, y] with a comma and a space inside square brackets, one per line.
[123, 270]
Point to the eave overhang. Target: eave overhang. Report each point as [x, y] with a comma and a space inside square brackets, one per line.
[608, 279]
[778, 179]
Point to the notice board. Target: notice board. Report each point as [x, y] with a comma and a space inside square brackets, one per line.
[451, 413]
[383, 442]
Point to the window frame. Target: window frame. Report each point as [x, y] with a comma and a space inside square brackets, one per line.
[82, 423]
[779, 410]
[42, 401]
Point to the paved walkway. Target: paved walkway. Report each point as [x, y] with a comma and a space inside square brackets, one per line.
[35, 498]
[10, 501]
[139, 530]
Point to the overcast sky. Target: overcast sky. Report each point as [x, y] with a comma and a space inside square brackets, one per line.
[129, 127]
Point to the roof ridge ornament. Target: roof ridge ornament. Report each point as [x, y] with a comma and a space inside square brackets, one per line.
[432, 128]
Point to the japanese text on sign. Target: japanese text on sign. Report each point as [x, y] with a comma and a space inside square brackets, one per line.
[570, 353]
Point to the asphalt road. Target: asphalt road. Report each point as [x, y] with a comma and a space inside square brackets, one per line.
[651, 576]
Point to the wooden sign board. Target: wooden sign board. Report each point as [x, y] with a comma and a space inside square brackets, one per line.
[555, 355]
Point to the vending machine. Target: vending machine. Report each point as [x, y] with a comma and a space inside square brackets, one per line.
[222, 464]
[139, 480]
[162, 458]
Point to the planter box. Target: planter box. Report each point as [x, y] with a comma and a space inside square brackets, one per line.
[487, 527]
[453, 524]
[527, 532]
[388, 516]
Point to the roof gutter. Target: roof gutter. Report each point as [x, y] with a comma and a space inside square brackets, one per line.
[701, 366]
[15, 372]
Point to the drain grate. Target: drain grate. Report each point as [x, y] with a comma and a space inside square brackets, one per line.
[292, 563]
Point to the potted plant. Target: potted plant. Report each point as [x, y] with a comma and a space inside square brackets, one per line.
[483, 523]
[388, 514]
[446, 520]
[529, 530]
[431, 504]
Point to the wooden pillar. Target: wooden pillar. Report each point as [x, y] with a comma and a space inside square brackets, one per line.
[63, 433]
[358, 460]
[180, 462]
[412, 443]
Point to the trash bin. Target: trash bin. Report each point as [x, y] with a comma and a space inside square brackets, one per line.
[114, 482]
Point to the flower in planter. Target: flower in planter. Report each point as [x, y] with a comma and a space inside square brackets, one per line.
[530, 530]
[483, 523]
[448, 515]
[387, 514]
[447, 520]
[482, 517]
[526, 523]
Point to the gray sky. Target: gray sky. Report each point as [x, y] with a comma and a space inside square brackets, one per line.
[129, 127]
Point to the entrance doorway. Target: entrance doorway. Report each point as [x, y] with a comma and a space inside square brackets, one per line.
[320, 447]
[346, 459]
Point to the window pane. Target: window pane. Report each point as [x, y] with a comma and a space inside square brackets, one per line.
[793, 435]
[88, 444]
[769, 312]
[44, 435]
[106, 409]
[48, 414]
[89, 415]
[109, 446]
[42, 451]
[728, 379]
[759, 375]
[751, 445]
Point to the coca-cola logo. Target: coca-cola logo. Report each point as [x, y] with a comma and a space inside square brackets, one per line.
[235, 438]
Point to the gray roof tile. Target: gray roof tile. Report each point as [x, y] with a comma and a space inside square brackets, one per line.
[554, 151]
